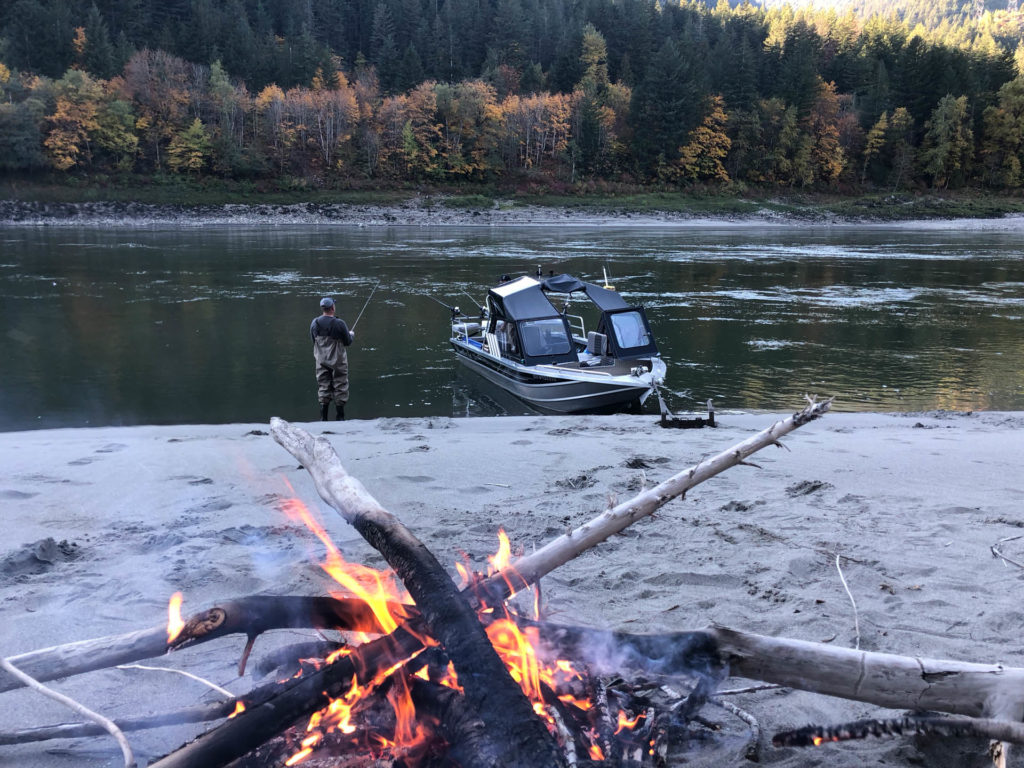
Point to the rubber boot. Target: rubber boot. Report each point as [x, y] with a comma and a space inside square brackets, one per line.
[341, 412]
[323, 411]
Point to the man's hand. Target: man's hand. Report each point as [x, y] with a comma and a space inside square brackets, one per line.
[352, 334]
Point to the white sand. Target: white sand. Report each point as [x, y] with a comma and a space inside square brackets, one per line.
[915, 501]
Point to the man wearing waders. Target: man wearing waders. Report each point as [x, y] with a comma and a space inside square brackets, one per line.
[330, 337]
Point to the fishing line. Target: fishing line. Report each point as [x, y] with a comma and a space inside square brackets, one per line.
[364, 306]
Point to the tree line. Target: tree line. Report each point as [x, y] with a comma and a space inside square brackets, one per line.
[447, 90]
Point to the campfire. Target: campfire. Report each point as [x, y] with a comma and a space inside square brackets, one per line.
[416, 669]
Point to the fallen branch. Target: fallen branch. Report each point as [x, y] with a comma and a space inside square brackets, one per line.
[530, 568]
[200, 714]
[849, 594]
[96, 717]
[248, 615]
[997, 552]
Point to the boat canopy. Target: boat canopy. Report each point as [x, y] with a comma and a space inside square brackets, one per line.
[602, 297]
[522, 299]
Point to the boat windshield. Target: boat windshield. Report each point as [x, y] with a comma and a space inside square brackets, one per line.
[545, 337]
[630, 330]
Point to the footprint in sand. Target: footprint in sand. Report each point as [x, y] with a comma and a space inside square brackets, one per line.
[16, 495]
[807, 487]
[111, 448]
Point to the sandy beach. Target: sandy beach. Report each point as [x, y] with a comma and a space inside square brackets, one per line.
[103, 525]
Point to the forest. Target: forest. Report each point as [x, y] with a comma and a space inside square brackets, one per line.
[329, 93]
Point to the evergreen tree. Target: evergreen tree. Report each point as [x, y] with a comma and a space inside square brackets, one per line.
[99, 57]
[21, 139]
[874, 144]
[410, 70]
[1002, 145]
[39, 36]
[663, 106]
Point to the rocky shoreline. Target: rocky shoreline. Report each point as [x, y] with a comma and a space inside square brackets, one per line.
[429, 212]
[415, 212]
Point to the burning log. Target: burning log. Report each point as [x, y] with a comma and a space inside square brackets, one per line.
[249, 615]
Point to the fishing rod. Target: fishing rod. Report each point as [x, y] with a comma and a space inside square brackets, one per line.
[478, 305]
[449, 307]
[364, 306]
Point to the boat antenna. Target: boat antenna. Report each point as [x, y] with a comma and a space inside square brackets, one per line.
[607, 285]
[364, 306]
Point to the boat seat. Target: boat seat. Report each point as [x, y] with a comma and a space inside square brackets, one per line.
[492, 345]
[597, 344]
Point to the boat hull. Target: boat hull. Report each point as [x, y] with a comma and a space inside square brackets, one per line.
[587, 391]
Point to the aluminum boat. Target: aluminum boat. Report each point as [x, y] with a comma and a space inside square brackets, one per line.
[545, 355]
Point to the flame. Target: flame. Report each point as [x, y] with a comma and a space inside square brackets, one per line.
[174, 623]
[239, 709]
[817, 741]
[596, 753]
[625, 723]
[380, 591]
[463, 575]
[376, 588]
[518, 648]
[500, 559]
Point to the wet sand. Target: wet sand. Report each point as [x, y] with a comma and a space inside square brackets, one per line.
[102, 525]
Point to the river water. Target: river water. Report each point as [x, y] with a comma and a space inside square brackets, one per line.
[209, 324]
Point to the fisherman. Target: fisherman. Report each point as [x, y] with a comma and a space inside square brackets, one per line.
[330, 337]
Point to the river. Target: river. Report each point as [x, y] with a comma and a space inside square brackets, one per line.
[209, 324]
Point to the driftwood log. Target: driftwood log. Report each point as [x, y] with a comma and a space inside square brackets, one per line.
[247, 615]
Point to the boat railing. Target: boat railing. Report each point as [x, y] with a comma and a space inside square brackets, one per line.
[576, 325]
[588, 371]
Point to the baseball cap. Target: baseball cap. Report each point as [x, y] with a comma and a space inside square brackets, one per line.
[326, 302]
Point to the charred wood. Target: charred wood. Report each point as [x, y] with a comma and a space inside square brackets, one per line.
[199, 714]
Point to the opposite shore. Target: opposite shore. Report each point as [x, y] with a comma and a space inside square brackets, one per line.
[54, 208]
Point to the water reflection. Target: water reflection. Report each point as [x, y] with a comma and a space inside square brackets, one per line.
[209, 324]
